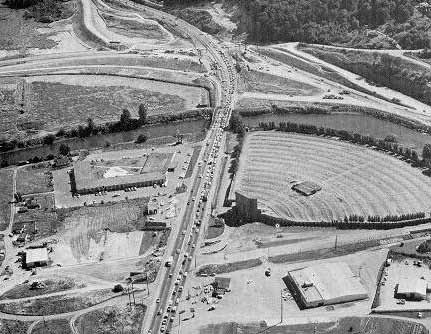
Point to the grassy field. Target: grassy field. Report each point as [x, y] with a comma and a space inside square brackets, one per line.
[50, 285]
[58, 304]
[46, 217]
[228, 267]
[34, 179]
[52, 326]
[354, 180]
[14, 326]
[362, 325]
[254, 81]
[112, 319]
[55, 105]
[5, 197]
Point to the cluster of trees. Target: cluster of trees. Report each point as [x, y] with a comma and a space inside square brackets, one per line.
[319, 21]
[386, 144]
[42, 10]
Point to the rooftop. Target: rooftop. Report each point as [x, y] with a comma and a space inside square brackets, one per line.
[327, 281]
[89, 176]
[36, 255]
[412, 285]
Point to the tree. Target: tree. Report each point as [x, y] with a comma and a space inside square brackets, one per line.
[49, 139]
[143, 113]
[64, 149]
[126, 121]
[426, 152]
[142, 138]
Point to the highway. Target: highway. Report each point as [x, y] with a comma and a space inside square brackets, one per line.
[171, 280]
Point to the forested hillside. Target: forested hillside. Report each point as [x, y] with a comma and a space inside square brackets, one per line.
[352, 23]
[332, 21]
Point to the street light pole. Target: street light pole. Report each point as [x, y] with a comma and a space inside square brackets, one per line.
[281, 306]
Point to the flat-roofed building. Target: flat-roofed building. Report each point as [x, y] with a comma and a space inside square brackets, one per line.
[89, 179]
[36, 257]
[324, 284]
[412, 289]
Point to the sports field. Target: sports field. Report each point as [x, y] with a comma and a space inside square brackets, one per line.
[354, 179]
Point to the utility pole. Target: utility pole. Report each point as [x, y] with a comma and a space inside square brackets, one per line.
[336, 241]
[281, 306]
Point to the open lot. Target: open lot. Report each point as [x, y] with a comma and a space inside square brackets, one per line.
[354, 180]
[400, 269]
[45, 217]
[253, 287]
[32, 179]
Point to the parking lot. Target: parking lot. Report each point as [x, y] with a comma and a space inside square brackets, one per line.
[402, 269]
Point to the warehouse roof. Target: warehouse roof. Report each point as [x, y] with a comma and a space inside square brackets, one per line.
[33, 255]
[328, 281]
[412, 285]
[88, 176]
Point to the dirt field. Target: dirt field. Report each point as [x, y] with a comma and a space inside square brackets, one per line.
[92, 234]
[34, 179]
[354, 180]
[5, 197]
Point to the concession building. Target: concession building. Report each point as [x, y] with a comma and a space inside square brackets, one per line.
[324, 284]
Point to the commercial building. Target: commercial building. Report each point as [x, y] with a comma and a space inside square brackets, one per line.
[89, 179]
[412, 289]
[324, 284]
[36, 257]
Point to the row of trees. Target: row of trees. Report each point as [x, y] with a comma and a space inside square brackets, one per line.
[386, 144]
[387, 218]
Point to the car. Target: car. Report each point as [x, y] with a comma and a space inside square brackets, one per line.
[401, 302]
[178, 251]
[420, 315]
[158, 300]
[159, 312]
[211, 308]
[164, 321]
[163, 328]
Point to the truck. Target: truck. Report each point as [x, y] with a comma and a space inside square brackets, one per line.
[169, 261]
